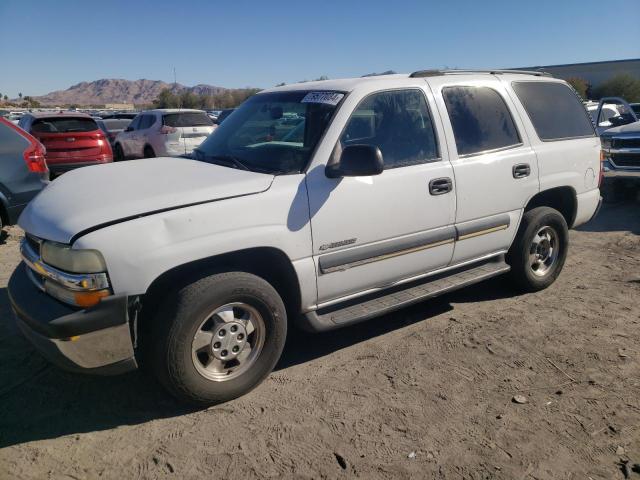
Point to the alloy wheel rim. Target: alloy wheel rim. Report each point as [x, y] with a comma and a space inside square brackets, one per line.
[228, 341]
[544, 251]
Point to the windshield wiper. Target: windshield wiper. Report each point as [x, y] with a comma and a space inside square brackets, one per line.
[227, 159]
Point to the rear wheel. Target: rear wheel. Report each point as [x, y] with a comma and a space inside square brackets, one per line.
[148, 152]
[539, 250]
[218, 338]
[118, 154]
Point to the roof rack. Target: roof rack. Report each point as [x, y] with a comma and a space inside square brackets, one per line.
[437, 73]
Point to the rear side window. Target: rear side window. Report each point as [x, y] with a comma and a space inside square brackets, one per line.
[64, 125]
[480, 119]
[399, 123]
[554, 109]
[187, 119]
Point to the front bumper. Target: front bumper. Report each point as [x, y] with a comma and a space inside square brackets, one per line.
[613, 171]
[96, 340]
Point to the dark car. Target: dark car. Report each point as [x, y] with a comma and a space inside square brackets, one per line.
[119, 116]
[23, 171]
[72, 139]
[223, 114]
[112, 127]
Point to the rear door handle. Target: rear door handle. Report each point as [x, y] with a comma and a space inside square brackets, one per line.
[440, 186]
[521, 170]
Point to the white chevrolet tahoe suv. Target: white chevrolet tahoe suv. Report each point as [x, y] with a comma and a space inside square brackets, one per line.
[395, 189]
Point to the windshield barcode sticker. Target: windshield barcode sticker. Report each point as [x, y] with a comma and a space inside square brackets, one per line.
[330, 98]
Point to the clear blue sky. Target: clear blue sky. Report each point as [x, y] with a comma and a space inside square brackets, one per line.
[49, 45]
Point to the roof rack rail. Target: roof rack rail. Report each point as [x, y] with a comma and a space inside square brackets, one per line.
[437, 73]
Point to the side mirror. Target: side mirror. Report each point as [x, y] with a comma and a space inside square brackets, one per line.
[128, 129]
[357, 161]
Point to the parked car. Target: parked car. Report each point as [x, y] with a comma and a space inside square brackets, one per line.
[23, 171]
[72, 139]
[445, 179]
[119, 116]
[621, 152]
[612, 112]
[224, 114]
[162, 133]
[112, 127]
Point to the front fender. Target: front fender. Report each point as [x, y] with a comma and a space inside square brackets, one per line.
[139, 251]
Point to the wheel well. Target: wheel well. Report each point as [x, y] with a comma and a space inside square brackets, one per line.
[4, 214]
[269, 263]
[562, 199]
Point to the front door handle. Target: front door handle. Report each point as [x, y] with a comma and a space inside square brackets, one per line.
[521, 170]
[440, 186]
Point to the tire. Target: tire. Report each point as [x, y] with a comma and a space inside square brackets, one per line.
[188, 312]
[148, 152]
[118, 154]
[541, 228]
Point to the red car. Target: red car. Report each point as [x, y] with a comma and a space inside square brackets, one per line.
[72, 139]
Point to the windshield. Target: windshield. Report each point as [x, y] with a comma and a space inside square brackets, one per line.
[271, 132]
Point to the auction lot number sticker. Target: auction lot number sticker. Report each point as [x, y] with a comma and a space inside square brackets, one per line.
[330, 98]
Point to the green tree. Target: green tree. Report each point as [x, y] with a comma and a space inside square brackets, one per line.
[580, 85]
[6, 97]
[20, 95]
[624, 85]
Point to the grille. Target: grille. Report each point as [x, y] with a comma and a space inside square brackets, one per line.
[625, 143]
[626, 160]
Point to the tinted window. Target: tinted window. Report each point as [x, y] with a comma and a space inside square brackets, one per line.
[554, 109]
[146, 122]
[135, 124]
[64, 125]
[186, 119]
[398, 122]
[480, 119]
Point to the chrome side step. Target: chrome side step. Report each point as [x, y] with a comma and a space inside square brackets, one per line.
[387, 301]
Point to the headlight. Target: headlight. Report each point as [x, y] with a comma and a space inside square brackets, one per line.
[606, 143]
[77, 261]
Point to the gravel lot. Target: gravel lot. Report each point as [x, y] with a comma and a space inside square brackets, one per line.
[423, 393]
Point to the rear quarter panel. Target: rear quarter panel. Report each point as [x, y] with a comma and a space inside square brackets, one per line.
[572, 162]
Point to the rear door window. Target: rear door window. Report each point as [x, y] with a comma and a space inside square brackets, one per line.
[480, 119]
[64, 125]
[555, 110]
[135, 123]
[187, 119]
[146, 121]
[399, 123]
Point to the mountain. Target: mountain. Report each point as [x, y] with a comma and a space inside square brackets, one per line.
[116, 90]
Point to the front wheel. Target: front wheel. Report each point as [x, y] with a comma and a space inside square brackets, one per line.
[218, 338]
[540, 249]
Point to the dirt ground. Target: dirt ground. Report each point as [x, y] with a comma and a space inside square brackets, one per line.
[423, 393]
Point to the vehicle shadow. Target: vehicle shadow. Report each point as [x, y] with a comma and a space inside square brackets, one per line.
[3, 237]
[39, 401]
[615, 217]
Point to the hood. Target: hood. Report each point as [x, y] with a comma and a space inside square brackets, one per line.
[98, 195]
[628, 129]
